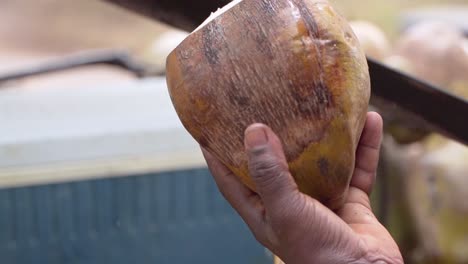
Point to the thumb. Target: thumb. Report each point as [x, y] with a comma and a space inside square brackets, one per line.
[268, 166]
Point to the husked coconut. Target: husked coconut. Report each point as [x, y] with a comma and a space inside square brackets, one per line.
[293, 65]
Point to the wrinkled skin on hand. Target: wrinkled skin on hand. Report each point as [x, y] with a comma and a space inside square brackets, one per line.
[296, 227]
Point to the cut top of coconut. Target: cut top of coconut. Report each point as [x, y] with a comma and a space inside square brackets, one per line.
[218, 12]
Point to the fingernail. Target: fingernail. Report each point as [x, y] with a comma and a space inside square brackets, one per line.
[256, 136]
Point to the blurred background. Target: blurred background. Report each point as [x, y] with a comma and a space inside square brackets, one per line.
[95, 165]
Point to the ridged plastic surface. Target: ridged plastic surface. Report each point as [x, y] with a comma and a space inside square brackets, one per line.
[174, 217]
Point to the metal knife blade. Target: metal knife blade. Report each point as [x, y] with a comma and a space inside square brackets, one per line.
[433, 106]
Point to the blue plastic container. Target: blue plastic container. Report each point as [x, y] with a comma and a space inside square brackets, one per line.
[172, 217]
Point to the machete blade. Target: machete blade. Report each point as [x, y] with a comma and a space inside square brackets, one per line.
[432, 106]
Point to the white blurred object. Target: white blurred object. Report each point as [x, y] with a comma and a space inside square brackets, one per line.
[465, 47]
[453, 14]
[162, 46]
[464, 59]
[373, 40]
[105, 129]
[399, 63]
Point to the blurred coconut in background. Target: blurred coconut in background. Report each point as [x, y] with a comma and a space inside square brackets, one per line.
[372, 39]
[435, 51]
[425, 199]
[421, 191]
[436, 193]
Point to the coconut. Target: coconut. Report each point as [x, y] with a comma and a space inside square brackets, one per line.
[435, 50]
[424, 202]
[459, 85]
[372, 39]
[295, 66]
[437, 191]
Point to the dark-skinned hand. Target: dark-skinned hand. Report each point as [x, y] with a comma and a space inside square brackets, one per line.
[296, 227]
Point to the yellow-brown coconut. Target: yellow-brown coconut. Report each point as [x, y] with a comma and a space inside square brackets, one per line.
[295, 66]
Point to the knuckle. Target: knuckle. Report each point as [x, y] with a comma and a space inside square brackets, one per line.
[263, 161]
[266, 165]
[267, 171]
[259, 151]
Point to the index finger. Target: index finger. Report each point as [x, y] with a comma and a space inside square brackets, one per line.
[367, 153]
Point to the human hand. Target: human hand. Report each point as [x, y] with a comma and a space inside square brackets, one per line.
[296, 227]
